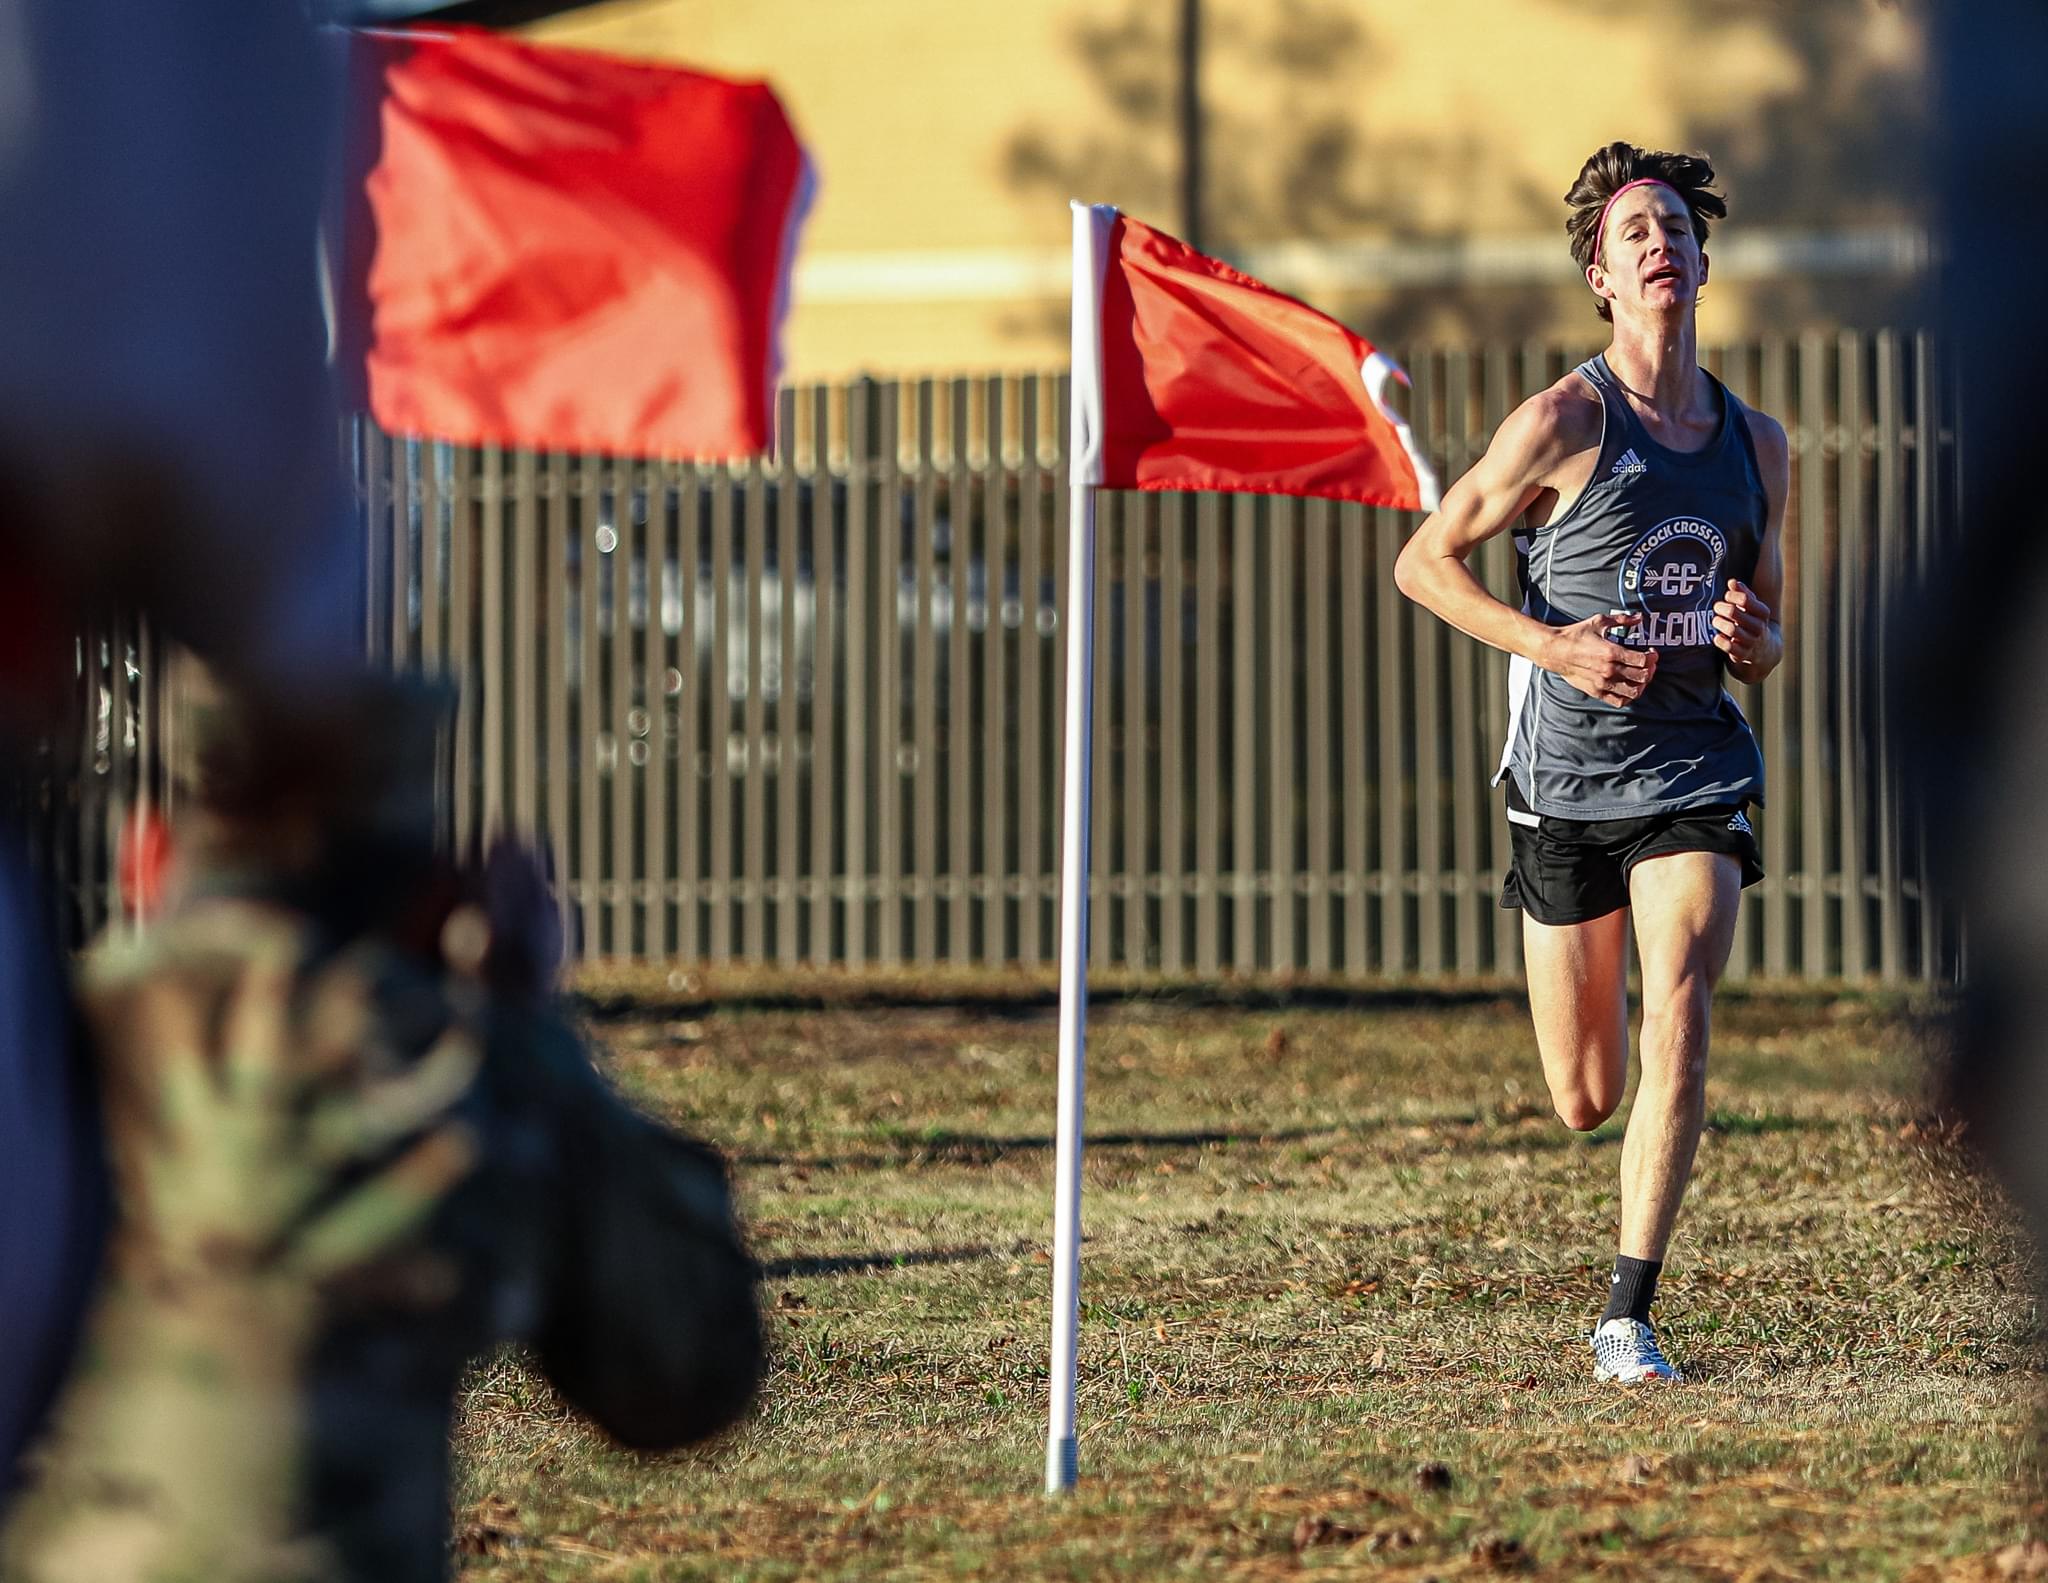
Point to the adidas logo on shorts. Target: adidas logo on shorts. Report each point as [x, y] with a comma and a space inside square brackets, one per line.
[1741, 823]
[1628, 465]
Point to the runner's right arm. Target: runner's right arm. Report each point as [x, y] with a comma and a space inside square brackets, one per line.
[1538, 438]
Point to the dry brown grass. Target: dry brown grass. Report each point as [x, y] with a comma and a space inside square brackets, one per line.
[1331, 1238]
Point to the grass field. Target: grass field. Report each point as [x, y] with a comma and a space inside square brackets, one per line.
[1340, 1260]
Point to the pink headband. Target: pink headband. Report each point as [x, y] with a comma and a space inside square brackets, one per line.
[1600, 230]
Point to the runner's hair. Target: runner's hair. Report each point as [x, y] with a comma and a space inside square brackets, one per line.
[1610, 169]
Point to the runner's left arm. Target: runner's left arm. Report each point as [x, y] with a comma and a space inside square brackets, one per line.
[1747, 625]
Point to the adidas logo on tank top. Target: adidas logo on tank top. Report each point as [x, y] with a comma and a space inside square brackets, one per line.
[1628, 465]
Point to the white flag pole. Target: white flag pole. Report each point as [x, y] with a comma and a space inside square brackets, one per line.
[1084, 469]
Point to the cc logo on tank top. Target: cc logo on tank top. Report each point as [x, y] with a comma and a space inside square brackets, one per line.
[1670, 577]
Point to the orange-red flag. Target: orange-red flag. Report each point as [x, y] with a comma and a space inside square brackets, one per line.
[573, 251]
[1208, 379]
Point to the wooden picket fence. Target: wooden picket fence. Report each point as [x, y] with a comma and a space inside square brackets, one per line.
[807, 709]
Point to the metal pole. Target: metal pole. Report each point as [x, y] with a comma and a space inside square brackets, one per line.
[1061, 1460]
[1060, 1463]
[1190, 119]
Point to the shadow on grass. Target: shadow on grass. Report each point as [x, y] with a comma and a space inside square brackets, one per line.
[864, 1263]
[1467, 1134]
[1033, 1003]
[1719, 1124]
[1728, 1124]
[940, 1146]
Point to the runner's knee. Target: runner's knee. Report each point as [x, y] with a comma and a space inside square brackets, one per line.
[1583, 1106]
[1581, 1112]
[1675, 1035]
[1681, 996]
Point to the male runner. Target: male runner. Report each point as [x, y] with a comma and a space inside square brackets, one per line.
[1650, 505]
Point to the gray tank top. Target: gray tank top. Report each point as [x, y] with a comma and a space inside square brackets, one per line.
[1659, 532]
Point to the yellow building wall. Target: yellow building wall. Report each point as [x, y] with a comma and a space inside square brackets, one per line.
[1400, 164]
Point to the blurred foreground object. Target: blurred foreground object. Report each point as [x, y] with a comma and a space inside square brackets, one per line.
[1969, 674]
[167, 426]
[245, 1128]
[168, 448]
[571, 251]
[166, 445]
[357, 1145]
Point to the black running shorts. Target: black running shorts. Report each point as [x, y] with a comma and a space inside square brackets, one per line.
[1576, 870]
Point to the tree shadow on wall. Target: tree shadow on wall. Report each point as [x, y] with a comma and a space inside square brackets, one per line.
[1845, 139]
[1282, 156]
[1841, 139]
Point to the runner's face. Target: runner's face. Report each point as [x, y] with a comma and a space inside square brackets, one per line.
[1649, 264]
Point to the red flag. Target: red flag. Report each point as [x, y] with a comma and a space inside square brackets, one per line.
[573, 251]
[1207, 379]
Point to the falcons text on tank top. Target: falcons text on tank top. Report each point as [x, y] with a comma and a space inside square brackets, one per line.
[1658, 532]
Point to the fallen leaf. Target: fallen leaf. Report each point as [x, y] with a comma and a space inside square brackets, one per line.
[1321, 1531]
[489, 1528]
[1276, 1043]
[1635, 1468]
[581, 1547]
[1500, 1553]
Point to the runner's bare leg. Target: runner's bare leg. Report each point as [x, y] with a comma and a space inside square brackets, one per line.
[1684, 906]
[1578, 995]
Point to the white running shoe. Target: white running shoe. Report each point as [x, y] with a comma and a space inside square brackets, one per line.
[1625, 1351]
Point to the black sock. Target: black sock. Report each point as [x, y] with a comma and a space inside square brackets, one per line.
[1631, 1291]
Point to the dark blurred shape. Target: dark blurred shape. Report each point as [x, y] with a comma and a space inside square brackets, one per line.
[169, 446]
[166, 442]
[1969, 675]
[603, 1238]
[167, 436]
[474, 13]
[52, 1179]
[600, 1237]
